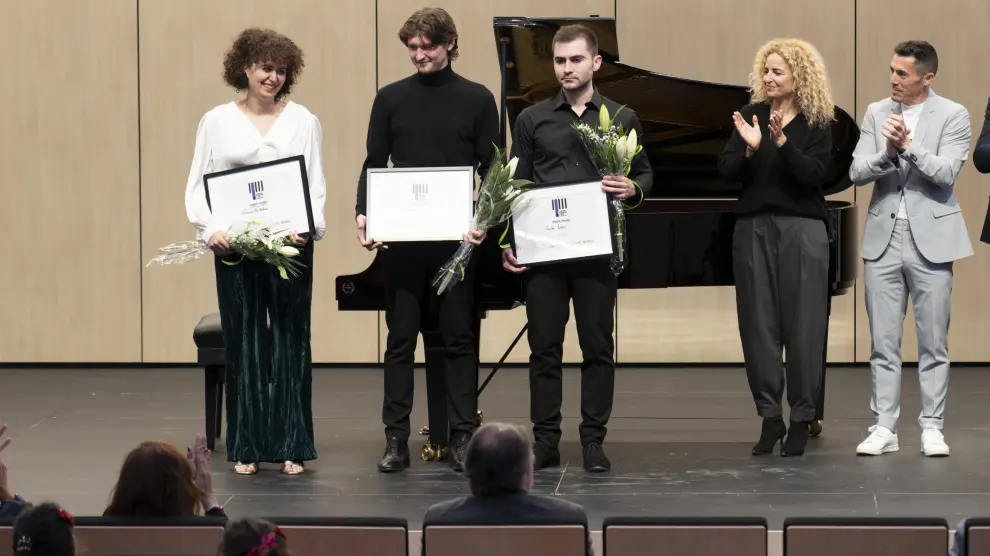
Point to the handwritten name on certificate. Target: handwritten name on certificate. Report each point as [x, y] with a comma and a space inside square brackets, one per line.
[562, 223]
[419, 204]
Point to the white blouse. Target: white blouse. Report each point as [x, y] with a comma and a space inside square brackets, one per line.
[227, 139]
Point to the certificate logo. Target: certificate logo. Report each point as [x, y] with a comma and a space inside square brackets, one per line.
[257, 189]
[419, 191]
[559, 206]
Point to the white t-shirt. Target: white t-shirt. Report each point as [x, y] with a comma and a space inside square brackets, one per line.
[910, 115]
[227, 139]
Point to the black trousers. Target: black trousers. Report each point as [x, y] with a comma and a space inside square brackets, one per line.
[549, 291]
[410, 302]
[780, 265]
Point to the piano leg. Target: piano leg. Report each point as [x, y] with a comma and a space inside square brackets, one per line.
[816, 425]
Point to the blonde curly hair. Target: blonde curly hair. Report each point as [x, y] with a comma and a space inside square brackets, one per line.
[811, 84]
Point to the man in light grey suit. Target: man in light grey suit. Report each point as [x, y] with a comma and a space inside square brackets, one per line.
[912, 146]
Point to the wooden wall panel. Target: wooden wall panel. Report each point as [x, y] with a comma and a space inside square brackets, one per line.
[70, 285]
[182, 46]
[478, 61]
[957, 30]
[715, 41]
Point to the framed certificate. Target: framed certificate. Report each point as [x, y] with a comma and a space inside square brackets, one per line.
[419, 204]
[563, 222]
[269, 192]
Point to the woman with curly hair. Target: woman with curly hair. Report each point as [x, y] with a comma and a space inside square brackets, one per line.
[779, 152]
[263, 424]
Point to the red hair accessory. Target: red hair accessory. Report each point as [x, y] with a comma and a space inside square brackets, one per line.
[66, 517]
[268, 542]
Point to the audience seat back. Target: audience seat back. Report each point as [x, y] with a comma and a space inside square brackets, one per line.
[866, 537]
[345, 537]
[106, 536]
[695, 536]
[505, 540]
[7, 537]
[977, 535]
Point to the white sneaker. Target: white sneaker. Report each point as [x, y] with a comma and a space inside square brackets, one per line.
[933, 443]
[880, 441]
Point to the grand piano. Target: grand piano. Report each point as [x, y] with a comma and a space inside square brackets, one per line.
[679, 236]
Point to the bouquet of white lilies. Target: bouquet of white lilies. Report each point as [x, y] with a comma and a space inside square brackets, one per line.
[612, 150]
[250, 240]
[498, 198]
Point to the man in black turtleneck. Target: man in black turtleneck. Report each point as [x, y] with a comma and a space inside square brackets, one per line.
[433, 118]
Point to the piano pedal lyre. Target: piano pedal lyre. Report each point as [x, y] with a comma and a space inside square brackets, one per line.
[425, 430]
[815, 427]
[433, 452]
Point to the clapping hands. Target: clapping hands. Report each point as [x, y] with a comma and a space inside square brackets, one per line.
[751, 134]
[200, 457]
[897, 134]
[777, 128]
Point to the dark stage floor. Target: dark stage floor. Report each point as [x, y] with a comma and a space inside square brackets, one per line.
[679, 442]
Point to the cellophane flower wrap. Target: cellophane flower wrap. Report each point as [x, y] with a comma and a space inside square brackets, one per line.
[612, 150]
[249, 239]
[498, 198]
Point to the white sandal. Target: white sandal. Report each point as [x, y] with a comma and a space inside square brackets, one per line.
[245, 468]
[293, 468]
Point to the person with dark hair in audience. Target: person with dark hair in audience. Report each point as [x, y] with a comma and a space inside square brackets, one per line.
[156, 480]
[253, 537]
[44, 530]
[499, 466]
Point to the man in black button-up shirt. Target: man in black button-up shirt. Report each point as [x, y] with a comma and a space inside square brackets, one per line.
[549, 150]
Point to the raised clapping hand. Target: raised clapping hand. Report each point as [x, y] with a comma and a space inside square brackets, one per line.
[199, 458]
[5, 494]
[751, 134]
[776, 127]
[369, 244]
[896, 132]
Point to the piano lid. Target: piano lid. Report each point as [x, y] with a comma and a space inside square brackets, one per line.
[686, 122]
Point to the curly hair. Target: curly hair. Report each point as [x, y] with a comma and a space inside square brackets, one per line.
[433, 23]
[262, 46]
[812, 92]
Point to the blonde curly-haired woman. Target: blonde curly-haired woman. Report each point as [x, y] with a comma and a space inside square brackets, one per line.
[779, 152]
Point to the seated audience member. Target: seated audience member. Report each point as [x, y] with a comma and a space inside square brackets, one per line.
[156, 480]
[44, 530]
[252, 537]
[499, 466]
[10, 503]
[959, 540]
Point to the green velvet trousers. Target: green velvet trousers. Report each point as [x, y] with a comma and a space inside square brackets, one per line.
[269, 372]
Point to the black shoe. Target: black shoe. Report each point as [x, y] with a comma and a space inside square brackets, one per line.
[773, 432]
[457, 450]
[595, 459]
[396, 456]
[797, 439]
[545, 456]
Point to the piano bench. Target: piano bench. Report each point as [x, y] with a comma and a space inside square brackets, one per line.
[210, 353]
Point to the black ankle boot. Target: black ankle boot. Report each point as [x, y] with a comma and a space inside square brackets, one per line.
[773, 431]
[797, 439]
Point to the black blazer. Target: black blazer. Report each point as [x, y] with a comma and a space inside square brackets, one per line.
[520, 508]
[981, 154]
